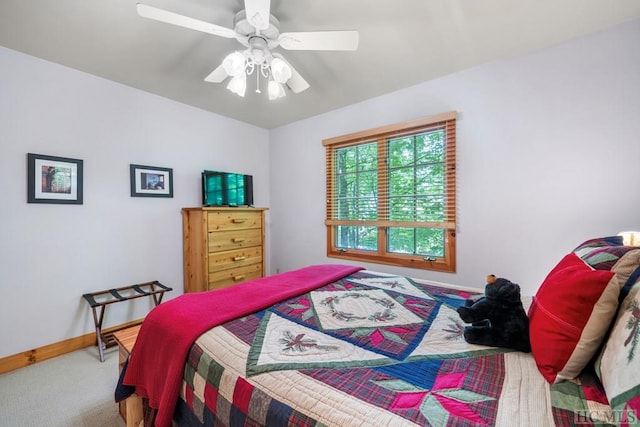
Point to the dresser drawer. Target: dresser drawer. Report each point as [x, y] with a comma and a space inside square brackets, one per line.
[224, 278]
[229, 220]
[236, 258]
[228, 240]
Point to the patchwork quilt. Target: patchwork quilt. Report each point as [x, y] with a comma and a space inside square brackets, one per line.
[371, 349]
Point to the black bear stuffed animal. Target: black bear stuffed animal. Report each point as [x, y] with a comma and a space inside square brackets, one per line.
[498, 318]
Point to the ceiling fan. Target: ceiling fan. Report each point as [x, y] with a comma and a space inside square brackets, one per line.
[259, 32]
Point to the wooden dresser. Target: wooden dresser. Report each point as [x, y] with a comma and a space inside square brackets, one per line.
[222, 246]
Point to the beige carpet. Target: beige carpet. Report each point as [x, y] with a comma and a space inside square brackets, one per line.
[75, 389]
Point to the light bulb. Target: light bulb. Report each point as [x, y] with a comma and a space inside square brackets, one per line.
[233, 64]
[275, 90]
[280, 71]
[238, 85]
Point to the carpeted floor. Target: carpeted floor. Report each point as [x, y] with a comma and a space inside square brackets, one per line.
[75, 389]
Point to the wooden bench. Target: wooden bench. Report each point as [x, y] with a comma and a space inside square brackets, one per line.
[130, 408]
[101, 299]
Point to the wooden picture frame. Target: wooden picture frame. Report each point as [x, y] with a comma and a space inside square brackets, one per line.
[55, 180]
[151, 181]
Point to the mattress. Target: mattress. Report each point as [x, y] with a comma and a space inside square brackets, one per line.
[370, 349]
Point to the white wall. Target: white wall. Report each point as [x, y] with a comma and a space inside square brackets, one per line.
[51, 254]
[548, 146]
[548, 150]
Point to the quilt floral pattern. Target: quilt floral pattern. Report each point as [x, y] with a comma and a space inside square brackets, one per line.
[376, 324]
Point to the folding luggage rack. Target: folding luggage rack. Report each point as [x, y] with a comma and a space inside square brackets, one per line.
[101, 299]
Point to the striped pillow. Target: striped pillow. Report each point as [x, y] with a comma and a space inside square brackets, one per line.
[609, 253]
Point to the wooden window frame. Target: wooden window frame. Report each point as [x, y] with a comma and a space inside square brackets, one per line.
[381, 135]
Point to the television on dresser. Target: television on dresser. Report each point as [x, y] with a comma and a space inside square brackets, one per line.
[226, 189]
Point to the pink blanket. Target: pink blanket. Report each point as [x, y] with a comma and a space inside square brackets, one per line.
[157, 361]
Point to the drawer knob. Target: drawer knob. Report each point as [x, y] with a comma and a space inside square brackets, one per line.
[236, 278]
[239, 258]
[237, 240]
[238, 220]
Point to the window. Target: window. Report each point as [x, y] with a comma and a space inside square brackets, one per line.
[391, 195]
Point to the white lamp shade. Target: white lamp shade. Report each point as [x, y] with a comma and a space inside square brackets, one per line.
[238, 85]
[233, 64]
[630, 238]
[280, 71]
[275, 90]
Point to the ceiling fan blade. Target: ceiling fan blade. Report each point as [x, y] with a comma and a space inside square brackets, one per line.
[296, 83]
[162, 15]
[320, 40]
[258, 13]
[217, 75]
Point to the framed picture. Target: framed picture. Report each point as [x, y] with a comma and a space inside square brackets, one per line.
[151, 181]
[54, 179]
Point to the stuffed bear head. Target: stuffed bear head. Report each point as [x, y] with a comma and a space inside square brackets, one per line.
[502, 289]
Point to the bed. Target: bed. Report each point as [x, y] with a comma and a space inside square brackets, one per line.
[338, 345]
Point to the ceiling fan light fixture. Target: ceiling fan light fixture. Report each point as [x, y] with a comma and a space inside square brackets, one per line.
[280, 71]
[238, 85]
[276, 90]
[234, 64]
[259, 32]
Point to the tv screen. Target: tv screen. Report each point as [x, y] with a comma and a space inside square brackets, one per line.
[226, 189]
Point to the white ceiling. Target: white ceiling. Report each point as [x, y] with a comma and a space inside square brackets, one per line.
[402, 43]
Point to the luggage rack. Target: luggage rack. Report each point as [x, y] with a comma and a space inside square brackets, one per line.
[102, 299]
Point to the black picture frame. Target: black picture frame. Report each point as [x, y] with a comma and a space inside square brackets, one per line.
[54, 180]
[151, 181]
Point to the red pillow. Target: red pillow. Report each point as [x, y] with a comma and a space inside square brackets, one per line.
[570, 316]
